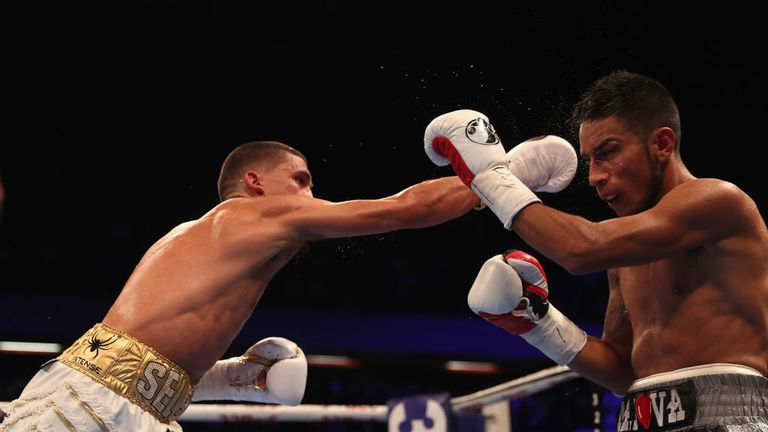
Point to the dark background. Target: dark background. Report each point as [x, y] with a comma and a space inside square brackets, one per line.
[116, 116]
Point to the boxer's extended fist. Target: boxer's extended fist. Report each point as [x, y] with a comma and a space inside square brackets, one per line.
[544, 164]
[465, 139]
[273, 370]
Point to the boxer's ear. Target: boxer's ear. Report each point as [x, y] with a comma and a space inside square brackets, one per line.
[663, 143]
[252, 182]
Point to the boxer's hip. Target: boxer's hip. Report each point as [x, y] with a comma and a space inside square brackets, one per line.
[132, 370]
[717, 395]
[61, 398]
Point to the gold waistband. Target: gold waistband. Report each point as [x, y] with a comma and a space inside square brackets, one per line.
[132, 370]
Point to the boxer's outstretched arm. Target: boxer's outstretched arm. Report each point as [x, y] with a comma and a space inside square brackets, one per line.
[428, 203]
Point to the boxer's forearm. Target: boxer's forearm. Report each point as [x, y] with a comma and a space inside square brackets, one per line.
[599, 362]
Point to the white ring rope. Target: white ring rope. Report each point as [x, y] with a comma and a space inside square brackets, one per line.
[281, 413]
[517, 388]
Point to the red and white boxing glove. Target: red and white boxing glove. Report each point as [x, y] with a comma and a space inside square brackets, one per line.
[545, 164]
[273, 370]
[467, 140]
[511, 292]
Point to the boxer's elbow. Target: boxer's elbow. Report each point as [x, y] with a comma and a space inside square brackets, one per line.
[620, 383]
[577, 265]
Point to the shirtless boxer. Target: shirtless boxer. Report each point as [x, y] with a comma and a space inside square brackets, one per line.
[686, 328]
[156, 350]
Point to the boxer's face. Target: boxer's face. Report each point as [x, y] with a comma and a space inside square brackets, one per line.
[621, 169]
[290, 176]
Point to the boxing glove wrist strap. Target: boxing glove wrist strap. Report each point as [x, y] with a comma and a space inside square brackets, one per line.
[217, 383]
[504, 193]
[557, 337]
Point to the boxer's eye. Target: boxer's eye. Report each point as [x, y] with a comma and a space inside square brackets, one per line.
[604, 155]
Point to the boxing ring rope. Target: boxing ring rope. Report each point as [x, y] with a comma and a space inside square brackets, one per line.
[280, 413]
[517, 388]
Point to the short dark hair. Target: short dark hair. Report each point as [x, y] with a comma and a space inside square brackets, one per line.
[641, 102]
[255, 154]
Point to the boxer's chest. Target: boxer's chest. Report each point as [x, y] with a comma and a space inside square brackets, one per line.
[653, 291]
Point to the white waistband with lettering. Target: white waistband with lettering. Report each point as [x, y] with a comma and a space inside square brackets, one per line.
[693, 371]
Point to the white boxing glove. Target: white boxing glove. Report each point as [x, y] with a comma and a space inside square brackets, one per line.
[511, 292]
[545, 164]
[273, 370]
[467, 140]
[497, 289]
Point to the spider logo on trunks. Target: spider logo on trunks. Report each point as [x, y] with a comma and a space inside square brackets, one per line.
[95, 344]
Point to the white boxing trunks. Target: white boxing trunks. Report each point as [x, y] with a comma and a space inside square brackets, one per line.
[709, 398]
[106, 381]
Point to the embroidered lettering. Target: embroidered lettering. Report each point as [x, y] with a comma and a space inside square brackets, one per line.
[675, 407]
[182, 404]
[87, 364]
[147, 385]
[658, 408]
[166, 391]
[626, 419]
[663, 409]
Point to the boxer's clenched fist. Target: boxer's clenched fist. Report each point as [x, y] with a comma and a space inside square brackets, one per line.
[274, 370]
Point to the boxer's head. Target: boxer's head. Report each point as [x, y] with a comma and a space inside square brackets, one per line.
[264, 168]
[629, 133]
